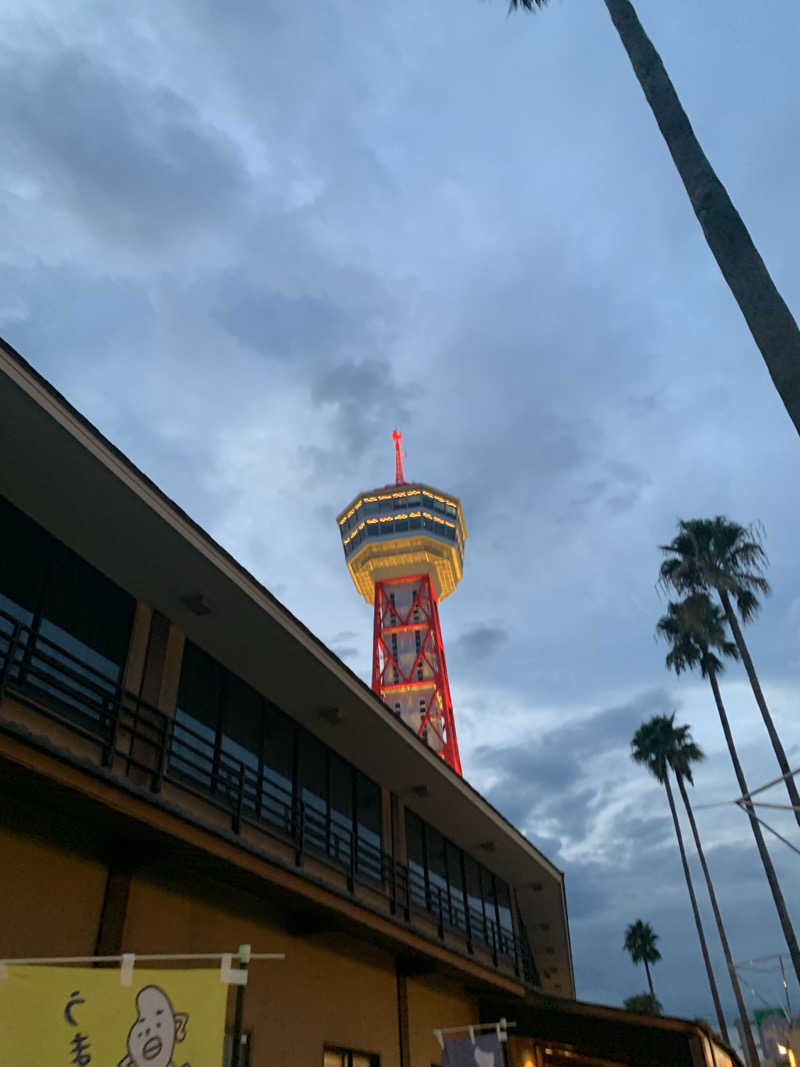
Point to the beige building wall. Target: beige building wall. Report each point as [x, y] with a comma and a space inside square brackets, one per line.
[50, 900]
[330, 989]
[433, 1004]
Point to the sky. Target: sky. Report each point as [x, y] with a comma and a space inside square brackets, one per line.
[249, 240]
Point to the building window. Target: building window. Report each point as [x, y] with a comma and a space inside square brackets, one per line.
[227, 737]
[80, 621]
[341, 1057]
[368, 827]
[445, 879]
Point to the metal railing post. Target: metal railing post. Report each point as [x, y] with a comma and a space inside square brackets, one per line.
[12, 650]
[468, 924]
[109, 749]
[298, 830]
[163, 753]
[351, 870]
[393, 898]
[237, 810]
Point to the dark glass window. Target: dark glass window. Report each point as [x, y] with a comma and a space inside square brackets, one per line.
[341, 802]
[504, 905]
[437, 870]
[415, 849]
[278, 768]
[474, 897]
[240, 742]
[80, 620]
[489, 906]
[471, 896]
[228, 736]
[194, 747]
[24, 554]
[456, 881]
[312, 780]
[85, 612]
[368, 826]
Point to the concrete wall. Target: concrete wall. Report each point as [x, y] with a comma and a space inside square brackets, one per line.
[50, 899]
[330, 989]
[433, 1004]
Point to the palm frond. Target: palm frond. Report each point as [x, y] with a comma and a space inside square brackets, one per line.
[527, 5]
[640, 942]
[711, 664]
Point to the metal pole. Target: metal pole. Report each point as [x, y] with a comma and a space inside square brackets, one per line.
[786, 991]
[236, 1052]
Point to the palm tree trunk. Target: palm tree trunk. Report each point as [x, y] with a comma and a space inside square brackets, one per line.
[766, 314]
[751, 1055]
[696, 912]
[744, 652]
[649, 979]
[769, 870]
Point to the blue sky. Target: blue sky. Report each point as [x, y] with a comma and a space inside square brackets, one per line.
[248, 242]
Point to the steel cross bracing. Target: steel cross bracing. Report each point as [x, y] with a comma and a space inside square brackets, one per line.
[422, 671]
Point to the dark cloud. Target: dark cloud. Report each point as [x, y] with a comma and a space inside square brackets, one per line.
[604, 731]
[365, 399]
[480, 643]
[286, 325]
[137, 162]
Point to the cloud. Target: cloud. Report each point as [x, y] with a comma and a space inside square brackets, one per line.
[480, 643]
[137, 162]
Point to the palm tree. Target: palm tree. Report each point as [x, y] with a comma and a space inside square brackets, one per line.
[751, 1055]
[644, 1003]
[721, 555]
[684, 754]
[694, 628]
[769, 319]
[655, 744]
[640, 943]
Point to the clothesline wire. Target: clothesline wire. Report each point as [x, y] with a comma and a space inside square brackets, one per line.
[160, 956]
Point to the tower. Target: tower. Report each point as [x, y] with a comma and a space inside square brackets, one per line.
[404, 547]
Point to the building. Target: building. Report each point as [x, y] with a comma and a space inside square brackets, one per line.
[185, 768]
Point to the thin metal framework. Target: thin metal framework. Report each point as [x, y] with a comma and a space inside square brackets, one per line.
[409, 672]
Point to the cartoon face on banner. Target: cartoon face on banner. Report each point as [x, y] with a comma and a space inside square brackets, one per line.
[85, 1018]
[157, 1028]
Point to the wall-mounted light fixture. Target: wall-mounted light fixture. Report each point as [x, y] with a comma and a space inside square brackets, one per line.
[197, 603]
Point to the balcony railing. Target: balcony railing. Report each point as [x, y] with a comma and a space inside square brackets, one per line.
[136, 741]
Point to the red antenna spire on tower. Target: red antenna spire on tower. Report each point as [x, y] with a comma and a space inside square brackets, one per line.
[399, 477]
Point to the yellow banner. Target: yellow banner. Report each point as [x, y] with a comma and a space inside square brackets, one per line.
[83, 1017]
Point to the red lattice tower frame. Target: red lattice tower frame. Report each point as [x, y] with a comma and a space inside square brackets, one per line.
[438, 716]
